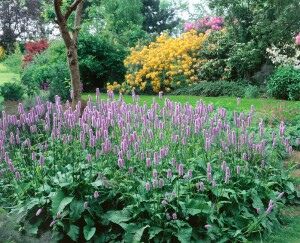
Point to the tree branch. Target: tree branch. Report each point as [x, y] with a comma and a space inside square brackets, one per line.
[72, 8]
[77, 22]
[57, 8]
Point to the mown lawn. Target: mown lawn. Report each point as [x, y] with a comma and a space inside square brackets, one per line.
[6, 76]
[230, 103]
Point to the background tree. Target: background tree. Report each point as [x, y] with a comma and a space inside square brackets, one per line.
[157, 19]
[20, 20]
[70, 40]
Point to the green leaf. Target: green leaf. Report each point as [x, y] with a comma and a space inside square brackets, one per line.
[117, 216]
[290, 186]
[154, 231]
[73, 232]
[59, 202]
[90, 222]
[257, 203]
[139, 233]
[193, 211]
[88, 232]
[184, 235]
[76, 208]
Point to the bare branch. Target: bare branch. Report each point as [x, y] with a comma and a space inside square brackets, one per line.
[77, 22]
[72, 8]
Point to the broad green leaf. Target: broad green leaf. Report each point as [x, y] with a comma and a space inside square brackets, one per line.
[154, 231]
[257, 203]
[73, 232]
[193, 211]
[290, 186]
[184, 234]
[76, 208]
[139, 233]
[88, 232]
[90, 222]
[117, 216]
[56, 200]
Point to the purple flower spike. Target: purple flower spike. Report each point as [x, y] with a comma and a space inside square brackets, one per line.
[96, 194]
[53, 223]
[180, 169]
[42, 160]
[147, 186]
[209, 167]
[148, 162]
[280, 195]
[38, 212]
[154, 182]
[85, 205]
[154, 173]
[174, 216]
[17, 174]
[224, 165]
[207, 226]
[169, 174]
[201, 186]
[161, 182]
[238, 169]
[89, 158]
[164, 202]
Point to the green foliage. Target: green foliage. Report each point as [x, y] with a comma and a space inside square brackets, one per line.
[100, 60]
[215, 52]
[12, 91]
[48, 70]
[251, 91]
[245, 59]
[214, 89]
[14, 61]
[158, 18]
[260, 24]
[284, 83]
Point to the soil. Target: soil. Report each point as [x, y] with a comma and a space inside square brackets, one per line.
[11, 107]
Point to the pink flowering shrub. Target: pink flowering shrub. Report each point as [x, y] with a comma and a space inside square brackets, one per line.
[205, 25]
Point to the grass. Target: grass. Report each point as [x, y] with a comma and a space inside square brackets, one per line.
[6, 76]
[230, 103]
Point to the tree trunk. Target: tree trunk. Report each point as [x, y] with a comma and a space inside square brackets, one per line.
[71, 43]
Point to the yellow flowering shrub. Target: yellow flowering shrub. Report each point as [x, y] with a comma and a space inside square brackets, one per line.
[164, 65]
[1, 53]
[174, 62]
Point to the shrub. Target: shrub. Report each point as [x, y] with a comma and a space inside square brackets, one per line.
[165, 64]
[12, 91]
[101, 61]
[284, 83]
[13, 62]
[214, 89]
[48, 70]
[125, 172]
[251, 91]
[34, 48]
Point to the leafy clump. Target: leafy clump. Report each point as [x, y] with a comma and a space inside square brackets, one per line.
[133, 172]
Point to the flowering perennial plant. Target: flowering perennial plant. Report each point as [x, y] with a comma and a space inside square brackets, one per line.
[137, 172]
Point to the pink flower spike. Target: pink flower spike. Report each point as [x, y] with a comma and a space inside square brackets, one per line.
[164, 202]
[85, 205]
[174, 216]
[38, 212]
[53, 223]
[280, 195]
[96, 194]
[147, 186]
